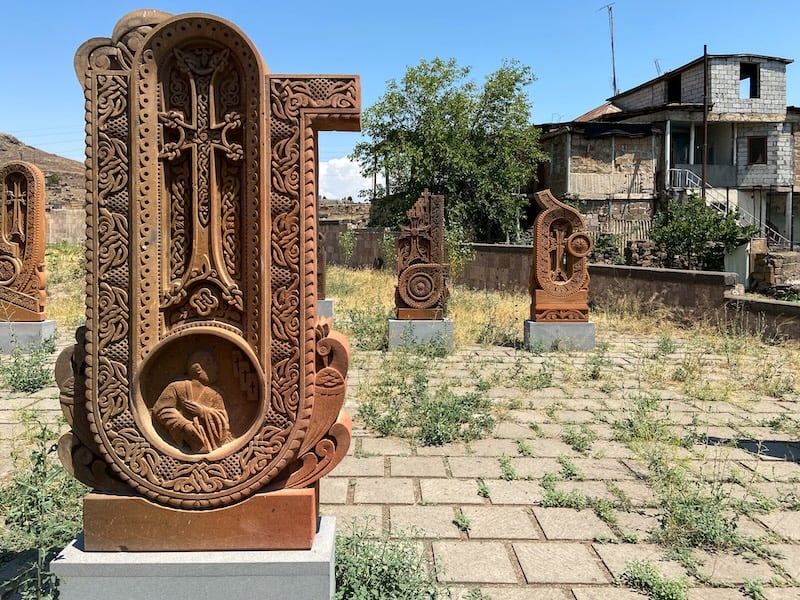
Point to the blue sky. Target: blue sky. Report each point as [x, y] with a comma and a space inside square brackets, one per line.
[566, 43]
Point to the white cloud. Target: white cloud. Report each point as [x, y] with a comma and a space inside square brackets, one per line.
[341, 177]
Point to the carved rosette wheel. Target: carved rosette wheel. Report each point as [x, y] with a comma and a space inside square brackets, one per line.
[420, 286]
[579, 244]
[10, 267]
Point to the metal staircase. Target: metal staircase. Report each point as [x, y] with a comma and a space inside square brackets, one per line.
[686, 179]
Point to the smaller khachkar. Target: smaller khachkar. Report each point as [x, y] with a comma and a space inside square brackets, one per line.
[559, 279]
[22, 239]
[421, 291]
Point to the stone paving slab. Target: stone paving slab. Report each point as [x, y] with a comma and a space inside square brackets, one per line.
[502, 492]
[724, 568]
[785, 523]
[497, 522]
[605, 593]
[571, 524]
[546, 562]
[429, 521]
[617, 556]
[474, 562]
[715, 594]
[515, 593]
[450, 491]
[417, 466]
[381, 490]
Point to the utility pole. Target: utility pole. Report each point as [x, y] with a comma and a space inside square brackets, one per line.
[613, 59]
[705, 119]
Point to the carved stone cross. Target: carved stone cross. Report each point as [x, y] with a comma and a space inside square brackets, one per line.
[204, 378]
[16, 203]
[201, 138]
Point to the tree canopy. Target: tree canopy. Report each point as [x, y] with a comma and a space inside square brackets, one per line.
[439, 130]
[692, 229]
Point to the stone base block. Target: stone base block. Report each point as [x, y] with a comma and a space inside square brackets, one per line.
[418, 332]
[239, 575]
[558, 336]
[325, 308]
[25, 335]
[279, 520]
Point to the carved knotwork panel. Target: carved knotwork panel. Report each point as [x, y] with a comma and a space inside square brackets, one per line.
[422, 274]
[22, 242]
[559, 279]
[202, 342]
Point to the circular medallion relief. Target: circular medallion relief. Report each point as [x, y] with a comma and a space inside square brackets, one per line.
[199, 395]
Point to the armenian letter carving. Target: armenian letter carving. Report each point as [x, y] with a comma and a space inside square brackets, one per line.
[203, 376]
[421, 291]
[22, 241]
[559, 278]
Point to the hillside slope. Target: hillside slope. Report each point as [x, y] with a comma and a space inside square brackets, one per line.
[69, 189]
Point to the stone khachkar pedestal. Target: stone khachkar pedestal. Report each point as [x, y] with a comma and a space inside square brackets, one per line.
[559, 279]
[22, 240]
[421, 292]
[204, 393]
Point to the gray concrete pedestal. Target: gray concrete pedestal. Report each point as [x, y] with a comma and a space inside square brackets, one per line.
[325, 308]
[250, 575]
[25, 335]
[540, 336]
[416, 332]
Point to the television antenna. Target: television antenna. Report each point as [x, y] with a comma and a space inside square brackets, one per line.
[613, 60]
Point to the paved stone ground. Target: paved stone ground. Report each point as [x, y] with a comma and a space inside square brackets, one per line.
[516, 547]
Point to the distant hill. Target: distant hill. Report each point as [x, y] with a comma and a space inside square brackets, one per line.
[65, 176]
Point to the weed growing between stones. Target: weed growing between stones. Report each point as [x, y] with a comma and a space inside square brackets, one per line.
[400, 402]
[507, 470]
[462, 522]
[644, 577]
[41, 505]
[29, 371]
[377, 567]
[483, 489]
[753, 588]
[580, 438]
[369, 326]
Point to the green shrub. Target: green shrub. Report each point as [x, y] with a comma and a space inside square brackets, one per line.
[347, 244]
[41, 505]
[369, 567]
[29, 371]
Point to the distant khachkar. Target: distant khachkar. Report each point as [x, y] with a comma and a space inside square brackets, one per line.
[203, 376]
[559, 278]
[421, 291]
[22, 241]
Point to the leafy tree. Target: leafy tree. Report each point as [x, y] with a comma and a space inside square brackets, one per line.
[439, 130]
[691, 228]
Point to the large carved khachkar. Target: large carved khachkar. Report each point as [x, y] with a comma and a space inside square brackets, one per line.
[559, 278]
[22, 241]
[203, 378]
[421, 291]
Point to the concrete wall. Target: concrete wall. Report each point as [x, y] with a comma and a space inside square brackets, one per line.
[692, 295]
[66, 225]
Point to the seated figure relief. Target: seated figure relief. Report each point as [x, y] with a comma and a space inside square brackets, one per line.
[192, 410]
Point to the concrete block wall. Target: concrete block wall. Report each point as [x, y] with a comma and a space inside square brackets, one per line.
[692, 84]
[724, 87]
[779, 168]
[652, 95]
